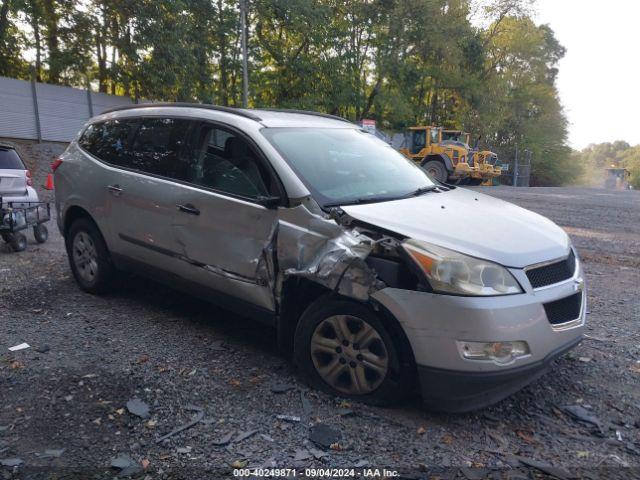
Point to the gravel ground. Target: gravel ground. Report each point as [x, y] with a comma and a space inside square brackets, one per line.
[63, 403]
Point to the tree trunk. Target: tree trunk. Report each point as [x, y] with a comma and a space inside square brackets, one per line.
[38, 44]
[222, 46]
[102, 62]
[372, 96]
[51, 34]
[4, 21]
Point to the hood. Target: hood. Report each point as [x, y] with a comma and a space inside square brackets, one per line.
[471, 223]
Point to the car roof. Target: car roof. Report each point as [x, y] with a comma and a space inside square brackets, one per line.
[267, 117]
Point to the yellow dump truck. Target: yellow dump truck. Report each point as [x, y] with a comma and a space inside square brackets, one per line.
[446, 161]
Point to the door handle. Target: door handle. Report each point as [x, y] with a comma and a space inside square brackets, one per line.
[188, 208]
[115, 189]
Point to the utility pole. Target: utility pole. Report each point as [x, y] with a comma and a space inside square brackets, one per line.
[245, 68]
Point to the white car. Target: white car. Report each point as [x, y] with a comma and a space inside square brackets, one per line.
[16, 184]
[19, 203]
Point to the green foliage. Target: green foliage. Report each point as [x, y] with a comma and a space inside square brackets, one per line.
[401, 62]
[598, 157]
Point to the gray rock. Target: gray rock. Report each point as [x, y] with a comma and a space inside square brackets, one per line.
[324, 436]
[138, 408]
[11, 462]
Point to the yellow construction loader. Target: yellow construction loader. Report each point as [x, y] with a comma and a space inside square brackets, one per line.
[446, 161]
[484, 163]
[617, 178]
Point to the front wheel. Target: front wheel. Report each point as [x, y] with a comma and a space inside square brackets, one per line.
[343, 348]
[89, 257]
[40, 233]
[436, 169]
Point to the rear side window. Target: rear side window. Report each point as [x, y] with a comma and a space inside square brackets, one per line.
[158, 147]
[10, 160]
[109, 141]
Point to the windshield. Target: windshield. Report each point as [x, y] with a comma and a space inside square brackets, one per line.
[344, 165]
[455, 137]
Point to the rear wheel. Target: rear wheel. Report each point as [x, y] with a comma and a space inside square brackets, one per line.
[436, 169]
[40, 233]
[89, 257]
[17, 242]
[343, 348]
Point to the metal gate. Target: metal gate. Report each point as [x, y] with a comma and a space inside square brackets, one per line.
[518, 172]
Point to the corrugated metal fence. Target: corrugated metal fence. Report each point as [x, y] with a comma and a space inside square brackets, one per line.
[39, 111]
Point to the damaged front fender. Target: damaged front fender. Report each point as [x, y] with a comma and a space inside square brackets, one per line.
[320, 250]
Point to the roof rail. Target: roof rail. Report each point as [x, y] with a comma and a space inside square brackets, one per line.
[305, 112]
[232, 110]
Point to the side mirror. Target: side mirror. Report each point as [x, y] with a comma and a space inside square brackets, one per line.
[270, 201]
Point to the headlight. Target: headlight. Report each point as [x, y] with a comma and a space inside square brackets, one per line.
[451, 272]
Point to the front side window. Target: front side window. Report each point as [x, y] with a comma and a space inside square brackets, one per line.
[109, 141]
[223, 161]
[344, 165]
[419, 140]
[434, 135]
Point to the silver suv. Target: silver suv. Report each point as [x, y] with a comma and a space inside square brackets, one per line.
[379, 279]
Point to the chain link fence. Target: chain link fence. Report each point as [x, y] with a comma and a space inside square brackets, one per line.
[517, 173]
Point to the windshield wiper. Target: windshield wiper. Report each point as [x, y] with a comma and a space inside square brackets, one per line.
[420, 191]
[358, 201]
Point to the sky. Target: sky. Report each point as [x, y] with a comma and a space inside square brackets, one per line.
[599, 77]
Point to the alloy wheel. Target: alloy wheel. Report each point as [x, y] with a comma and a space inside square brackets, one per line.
[349, 354]
[85, 257]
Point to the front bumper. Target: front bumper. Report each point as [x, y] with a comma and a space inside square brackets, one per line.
[434, 324]
[458, 391]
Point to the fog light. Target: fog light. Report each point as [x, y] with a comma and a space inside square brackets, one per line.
[499, 352]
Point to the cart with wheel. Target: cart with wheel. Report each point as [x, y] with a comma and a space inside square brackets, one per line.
[16, 217]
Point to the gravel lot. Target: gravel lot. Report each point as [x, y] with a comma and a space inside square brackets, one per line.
[189, 360]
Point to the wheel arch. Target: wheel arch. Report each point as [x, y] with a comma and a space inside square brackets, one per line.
[74, 213]
[441, 157]
[299, 293]
[296, 294]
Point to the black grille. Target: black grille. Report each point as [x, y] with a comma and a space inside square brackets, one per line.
[552, 273]
[564, 310]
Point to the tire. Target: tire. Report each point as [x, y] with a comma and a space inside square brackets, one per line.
[89, 257]
[40, 233]
[436, 169]
[371, 373]
[18, 242]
